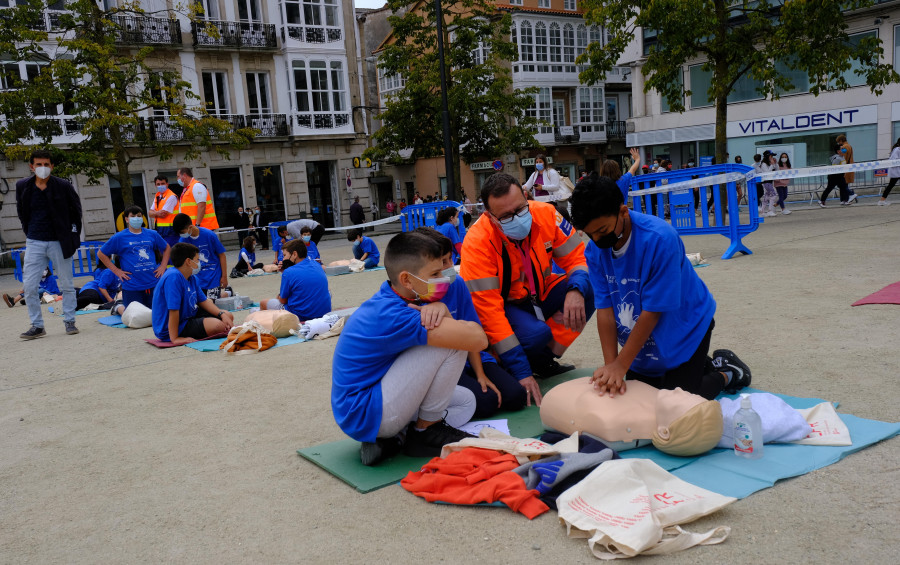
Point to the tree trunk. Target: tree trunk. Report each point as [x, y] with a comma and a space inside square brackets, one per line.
[123, 174]
[721, 128]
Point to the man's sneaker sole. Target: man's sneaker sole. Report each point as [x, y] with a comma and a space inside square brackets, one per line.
[727, 360]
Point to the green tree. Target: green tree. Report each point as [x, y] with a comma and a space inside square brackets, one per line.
[762, 40]
[487, 117]
[82, 78]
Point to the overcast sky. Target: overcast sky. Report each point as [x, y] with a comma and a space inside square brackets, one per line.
[368, 3]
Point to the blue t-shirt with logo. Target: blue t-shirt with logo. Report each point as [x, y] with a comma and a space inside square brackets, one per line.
[654, 274]
[452, 233]
[210, 268]
[312, 252]
[174, 292]
[105, 279]
[368, 246]
[459, 301]
[305, 287]
[136, 255]
[372, 339]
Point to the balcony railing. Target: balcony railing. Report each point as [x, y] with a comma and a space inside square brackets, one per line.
[236, 35]
[615, 130]
[269, 125]
[147, 31]
[163, 128]
[313, 34]
[323, 120]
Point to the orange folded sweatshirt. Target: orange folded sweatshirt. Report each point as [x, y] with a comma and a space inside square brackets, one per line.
[475, 475]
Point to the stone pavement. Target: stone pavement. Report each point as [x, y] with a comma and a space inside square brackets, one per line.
[112, 451]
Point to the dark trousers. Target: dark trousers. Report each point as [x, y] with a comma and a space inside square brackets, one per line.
[512, 394]
[889, 187]
[262, 234]
[782, 195]
[89, 296]
[839, 182]
[317, 234]
[696, 375]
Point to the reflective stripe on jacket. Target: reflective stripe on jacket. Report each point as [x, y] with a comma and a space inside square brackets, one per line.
[189, 207]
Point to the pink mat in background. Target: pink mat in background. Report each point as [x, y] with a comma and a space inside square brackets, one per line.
[887, 295]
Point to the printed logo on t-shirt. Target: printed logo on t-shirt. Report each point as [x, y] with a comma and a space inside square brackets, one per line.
[626, 296]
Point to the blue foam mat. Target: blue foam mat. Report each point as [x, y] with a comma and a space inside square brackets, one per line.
[83, 312]
[112, 321]
[723, 472]
[213, 344]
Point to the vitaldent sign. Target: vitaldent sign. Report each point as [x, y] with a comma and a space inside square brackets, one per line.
[843, 117]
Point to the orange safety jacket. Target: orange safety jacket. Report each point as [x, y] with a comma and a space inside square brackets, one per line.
[491, 265]
[189, 207]
[159, 200]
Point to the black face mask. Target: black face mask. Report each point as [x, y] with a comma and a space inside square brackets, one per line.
[286, 264]
[608, 240]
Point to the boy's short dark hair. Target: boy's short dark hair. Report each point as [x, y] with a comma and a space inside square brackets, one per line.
[757, 158]
[180, 222]
[295, 246]
[409, 252]
[595, 197]
[446, 215]
[441, 239]
[181, 252]
[41, 154]
[304, 229]
[283, 230]
[132, 211]
[353, 234]
[497, 185]
[162, 178]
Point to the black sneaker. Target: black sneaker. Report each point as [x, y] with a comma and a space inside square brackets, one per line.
[115, 305]
[551, 369]
[70, 328]
[33, 333]
[383, 448]
[726, 360]
[428, 442]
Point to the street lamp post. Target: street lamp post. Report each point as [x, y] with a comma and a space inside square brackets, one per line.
[445, 112]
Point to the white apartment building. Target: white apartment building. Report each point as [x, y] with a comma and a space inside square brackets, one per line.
[289, 68]
[585, 124]
[799, 123]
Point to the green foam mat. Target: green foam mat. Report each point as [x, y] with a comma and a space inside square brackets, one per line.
[341, 458]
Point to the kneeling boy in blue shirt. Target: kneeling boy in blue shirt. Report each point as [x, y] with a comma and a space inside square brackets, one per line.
[399, 357]
[649, 300]
[181, 309]
[364, 248]
[304, 285]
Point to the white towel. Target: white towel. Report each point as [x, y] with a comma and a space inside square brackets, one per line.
[780, 422]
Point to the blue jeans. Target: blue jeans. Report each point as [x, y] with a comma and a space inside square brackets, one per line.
[37, 255]
[370, 263]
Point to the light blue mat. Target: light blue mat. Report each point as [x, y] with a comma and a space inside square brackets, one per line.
[378, 268]
[213, 344]
[112, 321]
[723, 472]
[83, 312]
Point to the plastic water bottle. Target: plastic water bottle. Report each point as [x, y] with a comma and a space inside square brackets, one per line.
[748, 439]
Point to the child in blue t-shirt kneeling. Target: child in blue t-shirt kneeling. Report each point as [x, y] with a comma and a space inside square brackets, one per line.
[364, 249]
[399, 357]
[304, 286]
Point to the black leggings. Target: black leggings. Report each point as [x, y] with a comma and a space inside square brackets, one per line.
[89, 296]
[839, 182]
[696, 375]
[512, 393]
[317, 233]
[887, 189]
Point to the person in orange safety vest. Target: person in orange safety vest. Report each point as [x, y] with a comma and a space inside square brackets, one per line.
[163, 210]
[530, 314]
[196, 201]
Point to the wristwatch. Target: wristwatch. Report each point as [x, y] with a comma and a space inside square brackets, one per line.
[220, 314]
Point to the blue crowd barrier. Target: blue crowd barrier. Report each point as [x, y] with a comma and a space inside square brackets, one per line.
[84, 261]
[419, 215]
[682, 214]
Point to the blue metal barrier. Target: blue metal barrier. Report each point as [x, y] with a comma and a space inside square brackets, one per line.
[273, 229]
[418, 215]
[682, 214]
[84, 261]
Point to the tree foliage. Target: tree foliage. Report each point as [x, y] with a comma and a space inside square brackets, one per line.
[734, 39]
[487, 117]
[106, 90]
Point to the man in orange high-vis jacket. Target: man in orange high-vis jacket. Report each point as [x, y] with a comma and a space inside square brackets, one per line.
[163, 210]
[196, 201]
[531, 315]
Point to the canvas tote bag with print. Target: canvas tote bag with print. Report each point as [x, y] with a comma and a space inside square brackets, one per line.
[628, 507]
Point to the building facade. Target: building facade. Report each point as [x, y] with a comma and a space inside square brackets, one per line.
[584, 124]
[803, 125]
[290, 69]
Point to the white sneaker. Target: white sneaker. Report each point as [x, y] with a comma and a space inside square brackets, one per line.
[884, 203]
[822, 204]
[770, 214]
[759, 210]
[786, 212]
[851, 199]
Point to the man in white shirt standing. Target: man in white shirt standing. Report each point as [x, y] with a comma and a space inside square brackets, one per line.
[196, 201]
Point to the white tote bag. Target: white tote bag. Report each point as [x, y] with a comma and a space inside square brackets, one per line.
[628, 507]
[137, 316]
